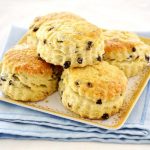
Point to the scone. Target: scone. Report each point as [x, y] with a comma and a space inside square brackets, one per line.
[94, 92]
[31, 38]
[70, 43]
[126, 51]
[25, 76]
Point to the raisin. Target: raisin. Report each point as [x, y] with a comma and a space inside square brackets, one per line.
[10, 82]
[50, 28]
[89, 84]
[44, 41]
[35, 29]
[39, 58]
[15, 77]
[26, 86]
[99, 101]
[67, 64]
[77, 83]
[147, 58]
[59, 41]
[3, 78]
[69, 105]
[137, 57]
[112, 59]
[89, 45]
[105, 116]
[133, 49]
[114, 107]
[79, 60]
[129, 57]
[99, 58]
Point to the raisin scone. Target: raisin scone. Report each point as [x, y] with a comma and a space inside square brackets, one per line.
[126, 51]
[25, 76]
[31, 38]
[70, 43]
[94, 92]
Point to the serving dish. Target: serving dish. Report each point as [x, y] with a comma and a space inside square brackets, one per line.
[52, 104]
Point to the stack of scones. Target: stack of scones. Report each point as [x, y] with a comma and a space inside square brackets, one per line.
[89, 66]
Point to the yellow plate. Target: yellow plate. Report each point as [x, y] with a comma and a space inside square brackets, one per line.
[52, 104]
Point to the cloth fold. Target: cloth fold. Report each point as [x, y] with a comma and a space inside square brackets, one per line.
[21, 123]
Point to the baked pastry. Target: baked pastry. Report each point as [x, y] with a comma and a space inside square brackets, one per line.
[126, 51]
[25, 76]
[30, 37]
[70, 43]
[93, 92]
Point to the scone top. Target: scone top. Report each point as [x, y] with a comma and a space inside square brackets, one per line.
[68, 36]
[52, 16]
[23, 59]
[31, 37]
[70, 43]
[98, 82]
[124, 46]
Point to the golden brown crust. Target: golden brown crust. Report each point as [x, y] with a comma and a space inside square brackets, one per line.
[125, 48]
[101, 81]
[22, 59]
[25, 76]
[120, 45]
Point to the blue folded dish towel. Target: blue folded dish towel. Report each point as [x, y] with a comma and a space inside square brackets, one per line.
[22, 123]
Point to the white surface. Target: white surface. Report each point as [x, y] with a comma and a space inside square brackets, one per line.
[117, 14]
[47, 145]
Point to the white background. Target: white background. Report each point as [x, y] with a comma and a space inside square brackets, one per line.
[131, 15]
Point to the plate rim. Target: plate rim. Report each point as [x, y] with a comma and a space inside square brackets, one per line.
[121, 122]
[134, 100]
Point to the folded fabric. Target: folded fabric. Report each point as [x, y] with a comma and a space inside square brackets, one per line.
[22, 123]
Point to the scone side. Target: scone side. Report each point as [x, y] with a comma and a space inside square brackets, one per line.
[88, 107]
[26, 77]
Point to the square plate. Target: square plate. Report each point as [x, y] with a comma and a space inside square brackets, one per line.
[52, 104]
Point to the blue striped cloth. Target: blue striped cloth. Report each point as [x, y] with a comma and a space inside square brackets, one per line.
[21, 123]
